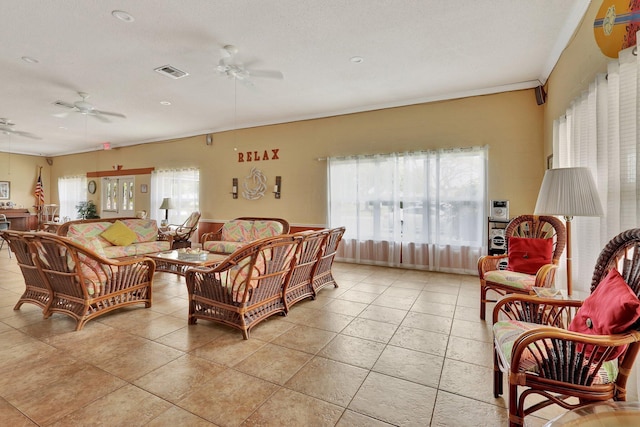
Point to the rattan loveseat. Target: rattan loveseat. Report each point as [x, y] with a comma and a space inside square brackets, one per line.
[65, 277]
[234, 234]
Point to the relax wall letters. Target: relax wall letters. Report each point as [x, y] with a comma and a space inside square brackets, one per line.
[254, 156]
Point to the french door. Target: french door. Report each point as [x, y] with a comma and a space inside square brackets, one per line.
[118, 197]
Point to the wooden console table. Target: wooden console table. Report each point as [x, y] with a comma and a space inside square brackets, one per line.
[21, 219]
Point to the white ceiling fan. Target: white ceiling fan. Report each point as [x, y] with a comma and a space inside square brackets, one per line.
[87, 109]
[6, 127]
[227, 66]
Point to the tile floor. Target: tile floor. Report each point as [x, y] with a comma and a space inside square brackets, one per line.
[388, 347]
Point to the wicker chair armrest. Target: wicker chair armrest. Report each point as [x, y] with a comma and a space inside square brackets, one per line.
[489, 263]
[214, 236]
[557, 354]
[546, 275]
[534, 309]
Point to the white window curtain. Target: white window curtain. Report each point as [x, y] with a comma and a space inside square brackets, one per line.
[71, 191]
[600, 131]
[182, 186]
[422, 210]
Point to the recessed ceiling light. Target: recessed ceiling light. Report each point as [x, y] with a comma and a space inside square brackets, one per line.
[356, 59]
[30, 60]
[165, 102]
[123, 16]
[62, 127]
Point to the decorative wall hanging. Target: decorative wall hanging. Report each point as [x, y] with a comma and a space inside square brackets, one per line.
[616, 25]
[254, 185]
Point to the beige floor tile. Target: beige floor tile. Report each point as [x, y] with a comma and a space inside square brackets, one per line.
[470, 351]
[328, 380]
[420, 340]
[370, 330]
[410, 365]
[394, 401]
[353, 419]
[384, 314]
[359, 296]
[228, 398]
[352, 350]
[428, 322]
[179, 377]
[400, 303]
[434, 308]
[175, 416]
[229, 348]
[271, 328]
[349, 308]
[370, 288]
[327, 321]
[305, 338]
[136, 407]
[479, 331]
[454, 410]
[470, 380]
[441, 298]
[190, 337]
[10, 416]
[290, 408]
[274, 363]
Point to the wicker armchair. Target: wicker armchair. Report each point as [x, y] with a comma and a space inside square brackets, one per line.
[178, 235]
[505, 282]
[36, 288]
[533, 345]
[323, 276]
[300, 283]
[85, 285]
[245, 288]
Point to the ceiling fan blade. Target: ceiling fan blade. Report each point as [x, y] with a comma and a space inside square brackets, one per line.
[99, 116]
[26, 134]
[109, 113]
[269, 74]
[64, 104]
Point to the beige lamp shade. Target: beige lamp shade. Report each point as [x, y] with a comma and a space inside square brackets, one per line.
[568, 192]
[167, 203]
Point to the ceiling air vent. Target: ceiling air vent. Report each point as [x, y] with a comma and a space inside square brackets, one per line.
[170, 71]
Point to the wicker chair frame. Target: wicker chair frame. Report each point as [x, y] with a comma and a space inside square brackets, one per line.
[222, 295]
[85, 285]
[563, 370]
[300, 283]
[323, 275]
[529, 226]
[37, 290]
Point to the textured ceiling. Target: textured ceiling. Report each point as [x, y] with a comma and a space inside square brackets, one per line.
[413, 51]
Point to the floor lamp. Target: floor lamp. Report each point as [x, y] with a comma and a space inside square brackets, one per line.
[568, 192]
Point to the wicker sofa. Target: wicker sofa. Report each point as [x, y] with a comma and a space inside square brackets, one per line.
[236, 233]
[64, 277]
[263, 278]
[89, 233]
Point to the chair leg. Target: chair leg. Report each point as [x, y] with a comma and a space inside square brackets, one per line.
[497, 382]
[483, 301]
[516, 418]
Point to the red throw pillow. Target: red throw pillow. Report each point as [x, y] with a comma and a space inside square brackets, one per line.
[611, 309]
[527, 255]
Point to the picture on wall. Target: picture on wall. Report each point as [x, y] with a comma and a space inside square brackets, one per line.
[4, 190]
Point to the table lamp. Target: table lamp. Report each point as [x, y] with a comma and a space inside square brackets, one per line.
[568, 192]
[166, 205]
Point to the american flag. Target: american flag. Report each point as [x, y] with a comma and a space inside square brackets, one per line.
[39, 193]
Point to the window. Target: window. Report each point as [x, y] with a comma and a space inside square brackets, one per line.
[182, 186]
[422, 210]
[71, 190]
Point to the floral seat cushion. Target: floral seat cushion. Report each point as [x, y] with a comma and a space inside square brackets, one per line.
[511, 278]
[507, 331]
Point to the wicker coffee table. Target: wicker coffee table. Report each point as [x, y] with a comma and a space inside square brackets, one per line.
[178, 262]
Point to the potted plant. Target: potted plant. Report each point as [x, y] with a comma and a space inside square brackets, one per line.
[87, 210]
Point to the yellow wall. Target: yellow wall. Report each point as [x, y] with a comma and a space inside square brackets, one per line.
[578, 66]
[509, 123]
[22, 173]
